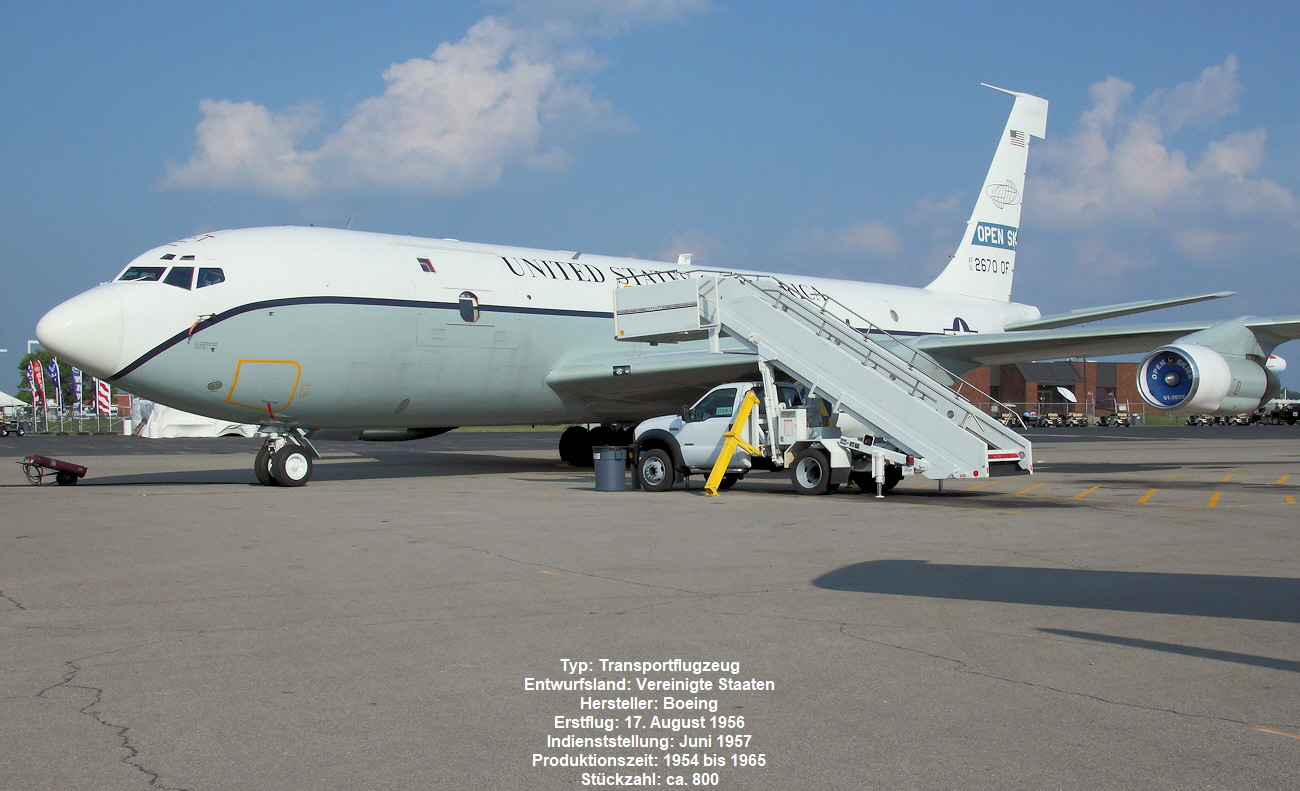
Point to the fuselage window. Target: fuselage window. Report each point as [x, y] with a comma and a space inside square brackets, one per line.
[209, 276]
[426, 265]
[469, 310]
[143, 273]
[169, 256]
[180, 276]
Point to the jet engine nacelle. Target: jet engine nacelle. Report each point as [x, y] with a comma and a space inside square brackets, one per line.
[1198, 379]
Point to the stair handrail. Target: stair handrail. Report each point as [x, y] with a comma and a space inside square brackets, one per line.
[782, 293]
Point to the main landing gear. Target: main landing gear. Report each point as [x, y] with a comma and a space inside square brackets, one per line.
[285, 459]
[577, 441]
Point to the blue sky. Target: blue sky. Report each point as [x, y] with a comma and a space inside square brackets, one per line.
[837, 138]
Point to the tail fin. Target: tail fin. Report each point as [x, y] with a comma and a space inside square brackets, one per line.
[986, 258]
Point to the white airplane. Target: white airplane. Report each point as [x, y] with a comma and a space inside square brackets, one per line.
[403, 337]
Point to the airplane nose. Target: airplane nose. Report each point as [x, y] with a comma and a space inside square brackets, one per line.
[86, 331]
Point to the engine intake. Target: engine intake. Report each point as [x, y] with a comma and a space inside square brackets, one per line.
[1198, 379]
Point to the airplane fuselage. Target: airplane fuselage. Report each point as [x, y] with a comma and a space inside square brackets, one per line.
[324, 328]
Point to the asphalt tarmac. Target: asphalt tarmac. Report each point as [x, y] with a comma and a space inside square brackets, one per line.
[435, 615]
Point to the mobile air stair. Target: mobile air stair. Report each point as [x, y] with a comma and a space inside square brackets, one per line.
[901, 395]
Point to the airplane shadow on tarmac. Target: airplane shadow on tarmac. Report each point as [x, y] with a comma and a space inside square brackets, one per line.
[1207, 595]
[379, 467]
[1272, 663]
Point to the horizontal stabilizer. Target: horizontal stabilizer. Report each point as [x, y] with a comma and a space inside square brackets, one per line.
[1109, 312]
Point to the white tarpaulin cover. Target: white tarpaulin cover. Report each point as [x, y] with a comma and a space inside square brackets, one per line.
[164, 422]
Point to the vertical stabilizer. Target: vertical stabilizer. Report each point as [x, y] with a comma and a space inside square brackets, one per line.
[985, 260]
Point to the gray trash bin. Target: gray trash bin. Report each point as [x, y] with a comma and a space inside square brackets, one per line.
[611, 467]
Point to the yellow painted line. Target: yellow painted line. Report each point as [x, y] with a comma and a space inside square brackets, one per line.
[1085, 493]
[981, 486]
[1150, 493]
[1171, 477]
[1273, 730]
[1282, 480]
[556, 573]
[1214, 499]
[1228, 477]
[1027, 491]
[1290, 499]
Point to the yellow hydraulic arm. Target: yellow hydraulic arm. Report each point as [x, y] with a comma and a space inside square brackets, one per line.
[731, 440]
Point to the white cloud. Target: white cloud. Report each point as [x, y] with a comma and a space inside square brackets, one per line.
[1128, 207]
[1118, 167]
[241, 144]
[506, 95]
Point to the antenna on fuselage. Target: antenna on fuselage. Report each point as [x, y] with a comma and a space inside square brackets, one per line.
[348, 227]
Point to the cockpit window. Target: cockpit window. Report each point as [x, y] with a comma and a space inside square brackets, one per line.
[180, 276]
[143, 273]
[209, 276]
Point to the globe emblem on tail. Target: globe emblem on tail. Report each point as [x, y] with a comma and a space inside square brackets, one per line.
[1003, 195]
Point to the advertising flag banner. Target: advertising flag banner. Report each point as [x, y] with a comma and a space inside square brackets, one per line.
[33, 373]
[102, 396]
[38, 382]
[54, 382]
[76, 385]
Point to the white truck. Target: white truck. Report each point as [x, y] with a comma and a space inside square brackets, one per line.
[733, 421]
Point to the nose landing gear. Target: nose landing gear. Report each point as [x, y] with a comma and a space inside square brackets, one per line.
[285, 459]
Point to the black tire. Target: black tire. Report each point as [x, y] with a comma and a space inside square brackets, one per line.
[4, 432]
[262, 467]
[655, 469]
[291, 466]
[811, 471]
[20, 431]
[728, 481]
[866, 483]
[575, 446]
[65, 478]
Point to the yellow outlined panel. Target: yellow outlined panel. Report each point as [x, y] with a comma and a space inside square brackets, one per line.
[264, 384]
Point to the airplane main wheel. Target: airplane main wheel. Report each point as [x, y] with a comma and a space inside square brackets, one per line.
[655, 468]
[291, 466]
[262, 467]
[811, 472]
[575, 446]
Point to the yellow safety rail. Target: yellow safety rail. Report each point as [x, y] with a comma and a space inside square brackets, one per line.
[731, 440]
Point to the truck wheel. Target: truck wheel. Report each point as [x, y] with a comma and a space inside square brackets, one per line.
[867, 484]
[811, 472]
[728, 481]
[656, 470]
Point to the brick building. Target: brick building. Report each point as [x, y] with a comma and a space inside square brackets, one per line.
[1096, 386]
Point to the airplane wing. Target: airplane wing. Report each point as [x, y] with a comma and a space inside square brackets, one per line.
[1110, 312]
[961, 353]
[620, 383]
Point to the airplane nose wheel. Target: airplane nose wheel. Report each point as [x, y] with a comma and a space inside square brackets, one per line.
[284, 460]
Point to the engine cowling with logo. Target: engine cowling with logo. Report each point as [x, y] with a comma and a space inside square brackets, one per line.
[1197, 379]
